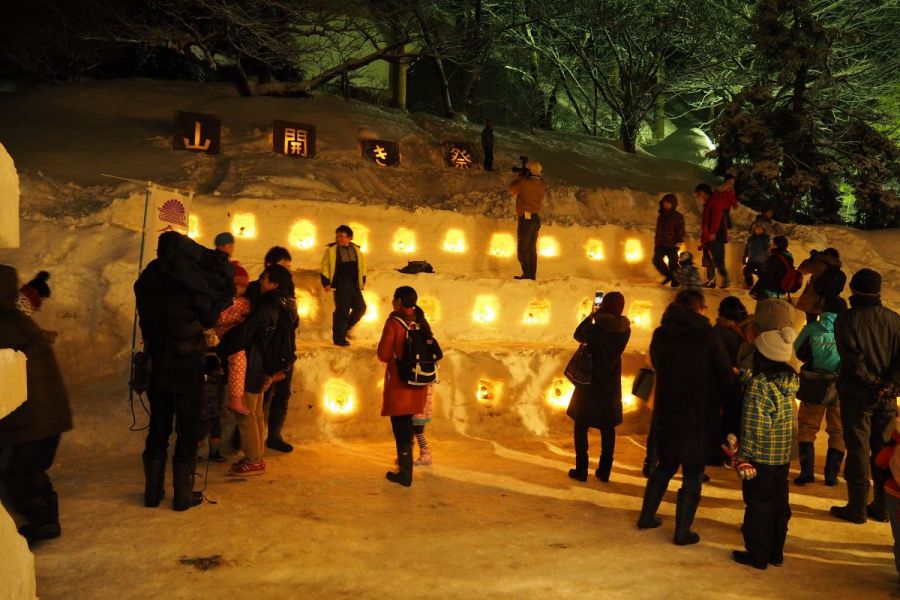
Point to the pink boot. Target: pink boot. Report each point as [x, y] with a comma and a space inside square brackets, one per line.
[236, 405]
[424, 459]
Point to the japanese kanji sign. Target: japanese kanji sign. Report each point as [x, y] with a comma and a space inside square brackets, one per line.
[382, 153]
[295, 140]
[459, 155]
[197, 132]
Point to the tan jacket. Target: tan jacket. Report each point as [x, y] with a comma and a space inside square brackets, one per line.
[529, 193]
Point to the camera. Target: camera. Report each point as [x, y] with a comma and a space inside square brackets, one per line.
[522, 171]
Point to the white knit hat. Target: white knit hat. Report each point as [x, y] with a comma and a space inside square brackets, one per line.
[777, 345]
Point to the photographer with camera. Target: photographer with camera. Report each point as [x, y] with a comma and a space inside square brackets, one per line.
[529, 190]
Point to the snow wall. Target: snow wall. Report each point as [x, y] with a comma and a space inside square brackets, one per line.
[9, 201]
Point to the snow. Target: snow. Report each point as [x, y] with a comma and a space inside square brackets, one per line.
[9, 201]
[492, 518]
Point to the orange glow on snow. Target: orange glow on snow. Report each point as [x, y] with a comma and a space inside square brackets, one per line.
[634, 251]
[307, 307]
[560, 393]
[243, 225]
[594, 250]
[537, 313]
[303, 235]
[431, 307]
[455, 241]
[585, 308]
[641, 314]
[503, 245]
[404, 241]
[338, 397]
[486, 309]
[372, 307]
[629, 401]
[360, 235]
[488, 391]
[548, 247]
[193, 227]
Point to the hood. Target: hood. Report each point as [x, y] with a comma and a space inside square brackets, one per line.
[674, 206]
[679, 321]
[829, 260]
[613, 323]
[9, 287]
[826, 319]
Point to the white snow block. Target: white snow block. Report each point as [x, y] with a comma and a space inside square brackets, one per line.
[13, 374]
[17, 567]
[9, 201]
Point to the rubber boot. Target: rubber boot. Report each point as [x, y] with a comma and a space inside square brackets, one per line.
[183, 481]
[405, 463]
[807, 464]
[276, 422]
[604, 468]
[43, 518]
[855, 509]
[653, 495]
[154, 481]
[877, 510]
[580, 472]
[685, 509]
[833, 461]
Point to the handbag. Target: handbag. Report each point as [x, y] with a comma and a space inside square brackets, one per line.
[817, 387]
[578, 371]
[643, 383]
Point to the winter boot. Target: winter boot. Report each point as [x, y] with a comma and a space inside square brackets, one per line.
[685, 509]
[405, 464]
[43, 516]
[744, 558]
[154, 481]
[183, 481]
[580, 472]
[604, 468]
[279, 444]
[276, 423]
[424, 459]
[807, 464]
[648, 468]
[876, 510]
[653, 495]
[855, 509]
[833, 461]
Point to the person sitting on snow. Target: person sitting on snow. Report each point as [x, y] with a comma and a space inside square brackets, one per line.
[686, 274]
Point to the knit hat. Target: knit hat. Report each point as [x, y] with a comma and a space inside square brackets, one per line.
[685, 258]
[534, 167]
[39, 284]
[613, 304]
[772, 314]
[223, 239]
[733, 309]
[241, 277]
[866, 282]
[780, 242]
[777, 345]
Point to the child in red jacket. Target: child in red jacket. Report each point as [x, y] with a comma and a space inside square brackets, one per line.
[889, 460]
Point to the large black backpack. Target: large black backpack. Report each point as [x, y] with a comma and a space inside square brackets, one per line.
[280, 353]
[418, 365]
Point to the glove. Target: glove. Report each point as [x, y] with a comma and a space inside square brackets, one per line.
[745, 470]
[730, 448]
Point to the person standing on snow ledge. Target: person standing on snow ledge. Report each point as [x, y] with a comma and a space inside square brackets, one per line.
[344, 273]
[528, 189]
[714, 228]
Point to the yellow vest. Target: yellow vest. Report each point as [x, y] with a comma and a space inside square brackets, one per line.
[329, 262]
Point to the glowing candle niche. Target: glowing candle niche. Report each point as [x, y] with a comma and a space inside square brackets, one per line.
[404, 241]
[338, 398]
[629, 401]
[486, 310]
[193, 227]
[503, 245]
[548, 247]
[360, 236]
[560, 393]
[488, 391]
[455, 241]
[303, 235]
[634, 251]
[372, 307]
[594, 250]
[243, 225]
[641, 314]
[431, 307]
[307, 307]
[537, 313]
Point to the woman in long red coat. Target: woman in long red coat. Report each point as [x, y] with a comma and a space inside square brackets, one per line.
[401, 401]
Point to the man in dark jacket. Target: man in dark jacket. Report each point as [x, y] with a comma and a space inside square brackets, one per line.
[29, 436]
[868, 341]
[669, 235]
[777, 265]
[173, 314]
[487, 144]
[692, 371]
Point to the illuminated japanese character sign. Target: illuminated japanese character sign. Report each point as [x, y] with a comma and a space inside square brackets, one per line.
[197, 132]
[459, 155]
[294, 140]
[381, 152]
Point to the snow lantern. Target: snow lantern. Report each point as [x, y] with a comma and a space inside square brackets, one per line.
[372, 302]
[503, 245]
[9, 201]
[193, 227]
[338, 397]
[641, 314]
[303, 235]
[307, 307]
[243, 225]
[634, 251]
[629, 401]
[560, 393]
[360, 236]
[548, 247]
[431, 307]
[537, 313]
[486, 310]
[487, 391]
[404, 241]
[594, 249]
[455, 241]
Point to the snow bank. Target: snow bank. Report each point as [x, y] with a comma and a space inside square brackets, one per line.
[9, 201]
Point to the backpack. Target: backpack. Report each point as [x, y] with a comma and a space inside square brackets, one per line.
[421, 353]
[280, 351]
[414, 267]
[792, 280]
[831, 282]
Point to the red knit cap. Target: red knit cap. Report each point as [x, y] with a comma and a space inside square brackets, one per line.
[241, 277]
[613, 303]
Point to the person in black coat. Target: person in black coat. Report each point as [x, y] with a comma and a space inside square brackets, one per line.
[730, 328]
[599, 405]
[690, 363]
[780, 260]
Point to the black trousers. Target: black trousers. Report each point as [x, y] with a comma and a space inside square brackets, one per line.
[349, 308]
[488, 158]
[691, 476]
[528, 231]
[864, 421]
[714, 258]
[23, 472]
[402, 427]
[275, 405]
[607, 444]
[177, 401]
[751, 269]
[767, 513]
[661, 252]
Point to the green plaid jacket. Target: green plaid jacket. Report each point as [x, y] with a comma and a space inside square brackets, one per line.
[767, 419]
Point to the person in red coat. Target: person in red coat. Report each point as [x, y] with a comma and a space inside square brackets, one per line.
[714, 228]
[401, 401]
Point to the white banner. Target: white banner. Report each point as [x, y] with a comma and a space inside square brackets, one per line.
[167, 210]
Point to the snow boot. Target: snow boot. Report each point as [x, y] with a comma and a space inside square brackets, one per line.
[405, 464]
[604, 468]
[876, 509]
[742, 557]
[279, 444]
[648, 468]
[807, 464]
[580, 472]
[154, 481]
[424, 459]
[685, 509]
[184, 496]
[833, 461]
[43, 518]
[653, 495]
[855, 510]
